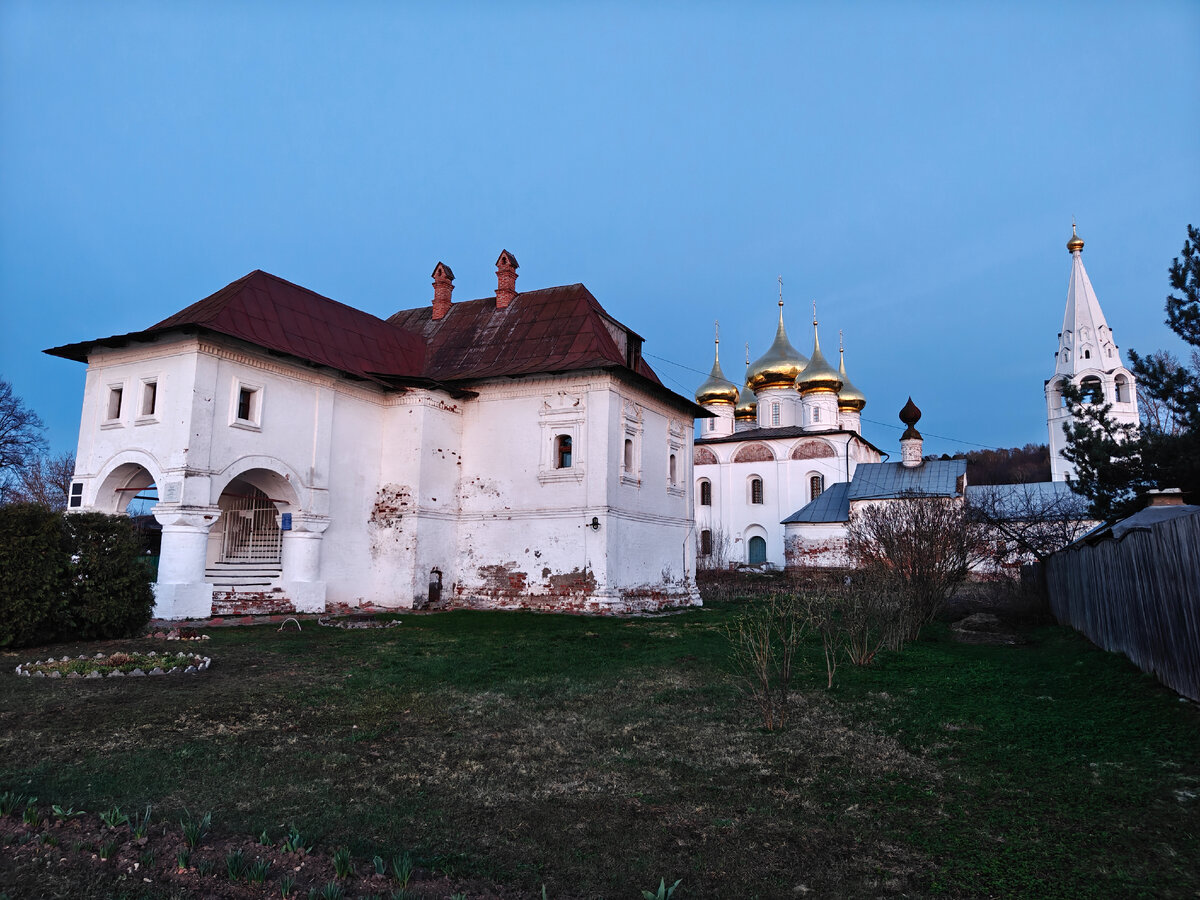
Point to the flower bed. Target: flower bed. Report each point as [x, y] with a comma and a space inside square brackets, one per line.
[116, 665]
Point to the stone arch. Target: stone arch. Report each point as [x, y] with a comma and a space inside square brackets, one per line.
[754, 541]
[754, 452]
[1054, 394]
[272, 476]
[122, 477]
[702, 456]
[813, 449]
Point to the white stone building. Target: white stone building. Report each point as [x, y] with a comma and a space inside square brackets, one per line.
[1087, 357]
[511, 451]
[791, 433]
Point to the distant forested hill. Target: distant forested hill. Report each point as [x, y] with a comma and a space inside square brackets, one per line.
[1017, 465]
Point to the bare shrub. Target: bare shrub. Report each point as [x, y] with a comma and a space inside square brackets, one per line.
[764, 642]
[925, 545]
[720, 551]
[873, 615]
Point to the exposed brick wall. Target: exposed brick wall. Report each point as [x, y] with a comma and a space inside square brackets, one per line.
[702, 456]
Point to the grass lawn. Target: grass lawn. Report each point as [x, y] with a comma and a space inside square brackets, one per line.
[597, 756]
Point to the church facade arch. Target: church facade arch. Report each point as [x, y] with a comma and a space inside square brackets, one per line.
[754, 452]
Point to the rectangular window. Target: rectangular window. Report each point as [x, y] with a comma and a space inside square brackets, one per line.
[816, 414]
[774, 413]
[245, 404]
[149, 397]
[564, 451]
[114, 403]
[756, 491]
[706, 543]
[76, 495]
[706, 493]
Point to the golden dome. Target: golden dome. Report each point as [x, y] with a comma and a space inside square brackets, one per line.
[1076, 242]
[718, 388]
[818, 375]
[747, 408]
[780, 365]
[849, 397]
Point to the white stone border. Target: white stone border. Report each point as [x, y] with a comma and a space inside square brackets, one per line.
[23, 668]
[352, 626]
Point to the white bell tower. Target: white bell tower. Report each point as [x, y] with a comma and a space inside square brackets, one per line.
[1089, 358]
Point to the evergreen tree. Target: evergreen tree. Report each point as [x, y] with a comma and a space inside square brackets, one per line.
[1116, 464]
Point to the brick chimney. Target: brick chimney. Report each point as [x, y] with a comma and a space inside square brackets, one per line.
[443, 287]
[1166, 497]
[506, 279]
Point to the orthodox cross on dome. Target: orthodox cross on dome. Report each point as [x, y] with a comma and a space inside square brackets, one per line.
[780, 280]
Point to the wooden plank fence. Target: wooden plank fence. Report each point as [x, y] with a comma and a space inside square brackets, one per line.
[1139, 596]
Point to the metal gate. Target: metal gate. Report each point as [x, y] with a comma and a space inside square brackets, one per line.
[251, 531]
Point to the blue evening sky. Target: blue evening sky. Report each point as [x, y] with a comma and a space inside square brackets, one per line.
[913, 167]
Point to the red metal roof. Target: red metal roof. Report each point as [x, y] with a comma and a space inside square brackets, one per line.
[556, 329]
[268, 311]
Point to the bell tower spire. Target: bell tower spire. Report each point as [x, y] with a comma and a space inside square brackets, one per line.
[1087, 357]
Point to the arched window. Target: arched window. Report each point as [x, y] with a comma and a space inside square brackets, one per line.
[672, 468]
[706, 543]
[756, 490]
[1121, 389]
[774, 413]
[1087, 354]
[628, 455]
[706, 493]
[1093, 391]
[563, 451]
[816, 484]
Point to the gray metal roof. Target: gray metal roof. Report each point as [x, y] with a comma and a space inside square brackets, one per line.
[1020, 500]
[888, 481]
[833, 505]
[1143, 519]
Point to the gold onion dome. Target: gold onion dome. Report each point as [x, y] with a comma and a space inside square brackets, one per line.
[818, 375]
[849, 397]
[718, 388]
[1076, 242]
[780, 365]
[747, 407]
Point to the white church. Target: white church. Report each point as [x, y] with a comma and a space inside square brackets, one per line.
[782, 463]
[510, 451]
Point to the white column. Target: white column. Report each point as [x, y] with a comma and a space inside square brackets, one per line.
[301, 556]
[181, 591]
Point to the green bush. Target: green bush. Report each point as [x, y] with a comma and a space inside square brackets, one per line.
[110, 593]
[35, 574]
[72, 577]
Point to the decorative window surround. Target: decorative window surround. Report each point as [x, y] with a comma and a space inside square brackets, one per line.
[562, 415]
[631, 460]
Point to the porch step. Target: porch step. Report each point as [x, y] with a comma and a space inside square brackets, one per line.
[242, 576]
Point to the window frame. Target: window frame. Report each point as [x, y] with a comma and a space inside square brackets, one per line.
[758, 492]
[256, 393]
[705, 492]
